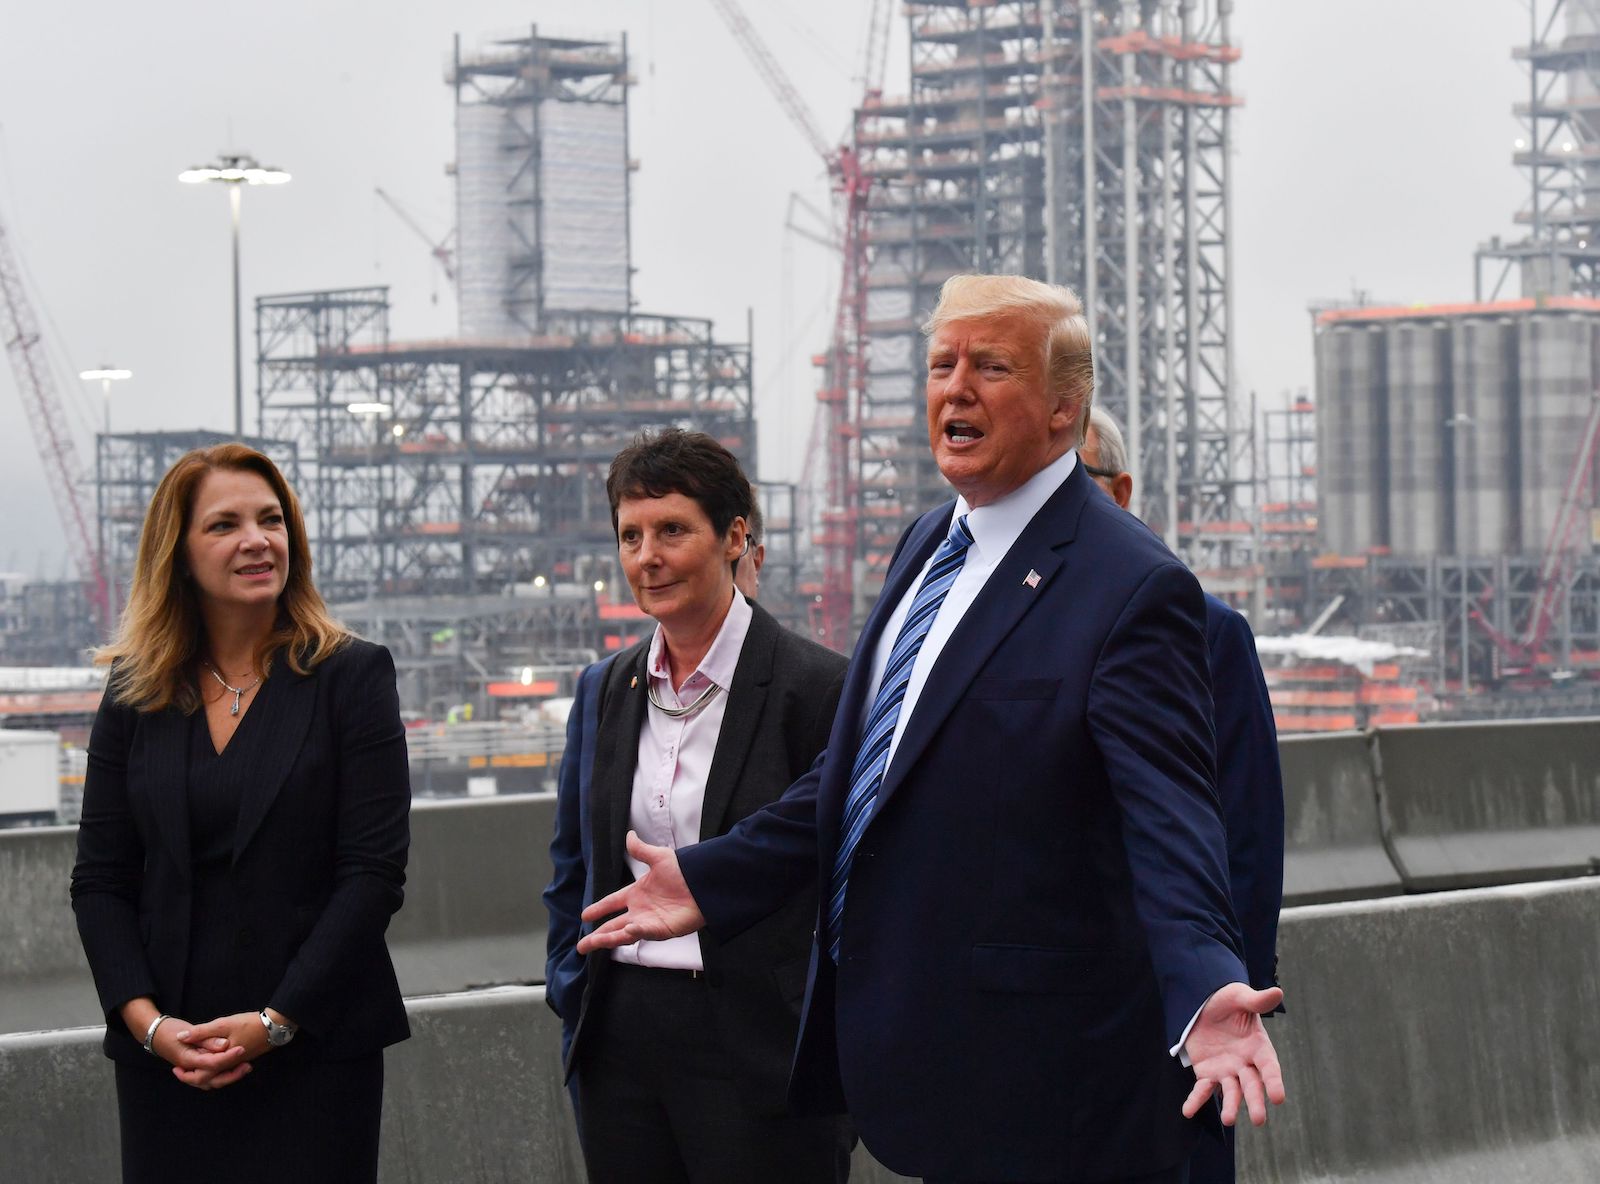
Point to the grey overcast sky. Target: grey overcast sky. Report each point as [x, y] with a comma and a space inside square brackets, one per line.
[1373, 152]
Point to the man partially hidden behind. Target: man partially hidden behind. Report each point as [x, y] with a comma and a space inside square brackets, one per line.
[679, 1049]
[1249, 780]
[1023, 931]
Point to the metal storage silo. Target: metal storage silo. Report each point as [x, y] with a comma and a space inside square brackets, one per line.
[1481, 446]
[1558, 375]
[1418, 356]
[1352, 397]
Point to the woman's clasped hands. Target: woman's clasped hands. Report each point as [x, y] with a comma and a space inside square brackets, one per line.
[212, 1055]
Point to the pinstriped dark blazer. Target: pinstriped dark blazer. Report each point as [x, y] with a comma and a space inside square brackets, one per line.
[318, 861]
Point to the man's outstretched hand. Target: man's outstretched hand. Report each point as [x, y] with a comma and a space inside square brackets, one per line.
[1229, 1049]
[656, 906]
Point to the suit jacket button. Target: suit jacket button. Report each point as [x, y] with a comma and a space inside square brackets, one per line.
[247, 936]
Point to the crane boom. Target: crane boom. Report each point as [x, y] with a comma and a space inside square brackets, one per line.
[441, 253]
[773, 74]
[844, 365]
[19, 329]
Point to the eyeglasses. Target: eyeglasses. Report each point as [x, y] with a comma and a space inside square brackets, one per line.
[1103, 474]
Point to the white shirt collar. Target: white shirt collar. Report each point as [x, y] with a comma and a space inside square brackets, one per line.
[998, 525]
[721, 659]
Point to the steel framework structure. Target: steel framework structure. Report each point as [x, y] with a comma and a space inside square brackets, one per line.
[1469, 603]
[485, 466]
[1079, 142]
[1559, 151]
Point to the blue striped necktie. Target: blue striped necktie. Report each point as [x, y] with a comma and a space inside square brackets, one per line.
[872, 759]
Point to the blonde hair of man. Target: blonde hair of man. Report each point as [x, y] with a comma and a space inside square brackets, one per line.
[1056, 310]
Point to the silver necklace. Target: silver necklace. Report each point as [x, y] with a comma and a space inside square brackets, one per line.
[237, 691]
[680, 712]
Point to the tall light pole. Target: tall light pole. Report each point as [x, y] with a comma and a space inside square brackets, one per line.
[234, 170]
[105, 376]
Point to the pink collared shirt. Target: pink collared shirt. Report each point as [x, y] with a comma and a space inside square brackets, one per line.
[669, 778]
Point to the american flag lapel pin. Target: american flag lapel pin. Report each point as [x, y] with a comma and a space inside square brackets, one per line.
[1031, 579]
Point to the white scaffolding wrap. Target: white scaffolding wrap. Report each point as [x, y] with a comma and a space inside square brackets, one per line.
[889, 354]
[585, 187]
[495, 212]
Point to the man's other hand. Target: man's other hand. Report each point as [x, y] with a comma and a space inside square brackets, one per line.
[1229, 1049]
[654, 907]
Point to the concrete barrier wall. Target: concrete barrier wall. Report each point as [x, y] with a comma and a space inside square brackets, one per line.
[474, 1097]
[1455, 806]
[1443, 1039]
[472, 915]
[1334, 846]
[1479, 804]
[1446, 1039]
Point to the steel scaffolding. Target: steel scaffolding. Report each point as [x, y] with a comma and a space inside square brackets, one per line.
[466, 468]
[1086, 143]
[1558, 150]
[542, 182]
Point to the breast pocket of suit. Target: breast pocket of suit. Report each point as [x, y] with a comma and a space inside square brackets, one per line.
[1011, 713]
[1014, 690]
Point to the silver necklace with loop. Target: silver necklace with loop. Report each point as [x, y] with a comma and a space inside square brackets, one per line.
[688, 709]
[238, 692]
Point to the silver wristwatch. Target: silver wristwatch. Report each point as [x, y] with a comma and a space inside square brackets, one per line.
[277, 1034]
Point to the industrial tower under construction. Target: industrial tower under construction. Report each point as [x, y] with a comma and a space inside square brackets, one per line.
[1081, 143]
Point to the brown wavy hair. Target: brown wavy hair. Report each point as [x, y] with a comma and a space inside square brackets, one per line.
[160, 633]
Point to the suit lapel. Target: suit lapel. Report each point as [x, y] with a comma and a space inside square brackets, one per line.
[746, 699]
[921, 541]
[165, 737]
[1003, 601]
[616, 752]
[270, 739]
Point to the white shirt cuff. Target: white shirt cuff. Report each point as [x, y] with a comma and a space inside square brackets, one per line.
[1177, 1050]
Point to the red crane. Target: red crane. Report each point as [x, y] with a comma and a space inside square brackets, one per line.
[19, 329]
[1555, 571]
[442, 254]
[844, 365]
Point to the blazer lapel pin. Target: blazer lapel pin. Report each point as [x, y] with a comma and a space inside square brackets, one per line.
[633, 682]
[1031, 579]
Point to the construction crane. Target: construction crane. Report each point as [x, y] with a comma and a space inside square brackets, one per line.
[441, 251]
[1555, 569]
[19, 329]
[844, 365]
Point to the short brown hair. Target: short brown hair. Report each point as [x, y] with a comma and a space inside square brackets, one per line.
[160, 631]
[690, 463]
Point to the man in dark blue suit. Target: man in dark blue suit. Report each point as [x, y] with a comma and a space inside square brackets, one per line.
[1249, 780]
[1024, 937]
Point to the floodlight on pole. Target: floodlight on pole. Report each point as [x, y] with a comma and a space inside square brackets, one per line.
[235, 170]
[105, 376]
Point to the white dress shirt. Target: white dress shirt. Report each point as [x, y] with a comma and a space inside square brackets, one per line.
[995, 529]
[669, 777]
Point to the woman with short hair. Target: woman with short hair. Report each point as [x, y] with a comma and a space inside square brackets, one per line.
[680, 1049]
[242, 846]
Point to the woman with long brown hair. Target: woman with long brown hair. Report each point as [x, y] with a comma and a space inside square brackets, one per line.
[242, 847]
